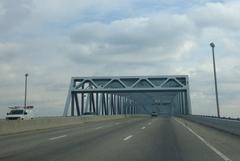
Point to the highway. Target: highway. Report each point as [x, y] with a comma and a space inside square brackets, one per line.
[131, 139]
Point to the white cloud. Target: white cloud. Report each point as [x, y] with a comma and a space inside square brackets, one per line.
[167, 35]
[13, 14]
[218, 15]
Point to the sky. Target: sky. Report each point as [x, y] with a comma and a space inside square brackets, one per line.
[53, 40]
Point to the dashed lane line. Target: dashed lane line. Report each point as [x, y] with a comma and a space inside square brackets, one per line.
[100, 127]
[58, 137]
[128, 137]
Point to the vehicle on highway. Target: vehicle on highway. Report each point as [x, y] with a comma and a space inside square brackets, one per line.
[20, 113]
[154, 114]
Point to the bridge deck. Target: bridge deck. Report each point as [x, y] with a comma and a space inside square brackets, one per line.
[133, 139]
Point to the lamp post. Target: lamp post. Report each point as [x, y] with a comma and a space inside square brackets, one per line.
[215, 78]
[25, 97]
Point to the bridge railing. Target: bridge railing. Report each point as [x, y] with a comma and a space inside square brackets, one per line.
[229, 125]
[227, 118]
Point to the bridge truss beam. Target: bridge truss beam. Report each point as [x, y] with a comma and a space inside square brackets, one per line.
[126, 95]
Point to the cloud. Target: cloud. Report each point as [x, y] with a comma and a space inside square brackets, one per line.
[13, 13]
[8, 51]
[218, 15]
[165, 35]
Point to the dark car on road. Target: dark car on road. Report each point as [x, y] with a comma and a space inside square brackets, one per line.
[154, 114]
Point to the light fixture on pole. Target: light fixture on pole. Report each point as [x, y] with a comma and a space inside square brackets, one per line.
[215, 78]
[25, 97]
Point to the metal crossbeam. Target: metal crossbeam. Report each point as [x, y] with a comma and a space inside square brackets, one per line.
[117, 95]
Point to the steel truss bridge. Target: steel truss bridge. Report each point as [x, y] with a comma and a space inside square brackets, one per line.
[128, 95]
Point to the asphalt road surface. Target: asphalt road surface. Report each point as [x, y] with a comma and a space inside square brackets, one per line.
[132, 139]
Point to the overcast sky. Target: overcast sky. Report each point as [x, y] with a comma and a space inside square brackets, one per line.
[53, 40]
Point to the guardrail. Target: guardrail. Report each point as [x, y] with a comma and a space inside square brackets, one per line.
[16, 126]
[228, 125]
[226, 118]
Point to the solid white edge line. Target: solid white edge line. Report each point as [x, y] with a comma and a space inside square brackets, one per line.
[224, 157]
[58, 137]
[128, 137]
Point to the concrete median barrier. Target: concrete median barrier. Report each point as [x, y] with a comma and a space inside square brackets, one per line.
[230, 126]
[16, 126]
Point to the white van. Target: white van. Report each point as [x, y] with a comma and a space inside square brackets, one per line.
[20, 113]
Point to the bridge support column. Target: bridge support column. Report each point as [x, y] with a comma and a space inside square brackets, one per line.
[103, 104]
[185, 100]
[82, 103]
[111, 104]
[114, 104]
[118, 105]
[182, 103]
[92, 103]
[186, 103]
[72, 104]
[107, 104]
[97, 107]
[77, 104]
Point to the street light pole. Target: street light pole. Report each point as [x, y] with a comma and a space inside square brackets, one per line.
[215, 78]
[25, 98]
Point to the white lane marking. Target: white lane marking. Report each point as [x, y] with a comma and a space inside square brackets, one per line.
[143, 127]
[100, 127]
[128, 137]
[58, 137]
[224, 157]
[149, 123]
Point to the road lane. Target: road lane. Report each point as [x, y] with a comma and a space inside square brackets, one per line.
[163, 138]
[223, 156]
[28, 146]
[224, 142]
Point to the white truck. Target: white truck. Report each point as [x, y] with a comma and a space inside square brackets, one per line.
[20, 113]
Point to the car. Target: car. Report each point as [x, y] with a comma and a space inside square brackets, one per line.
[20, 113]
[154, 114]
